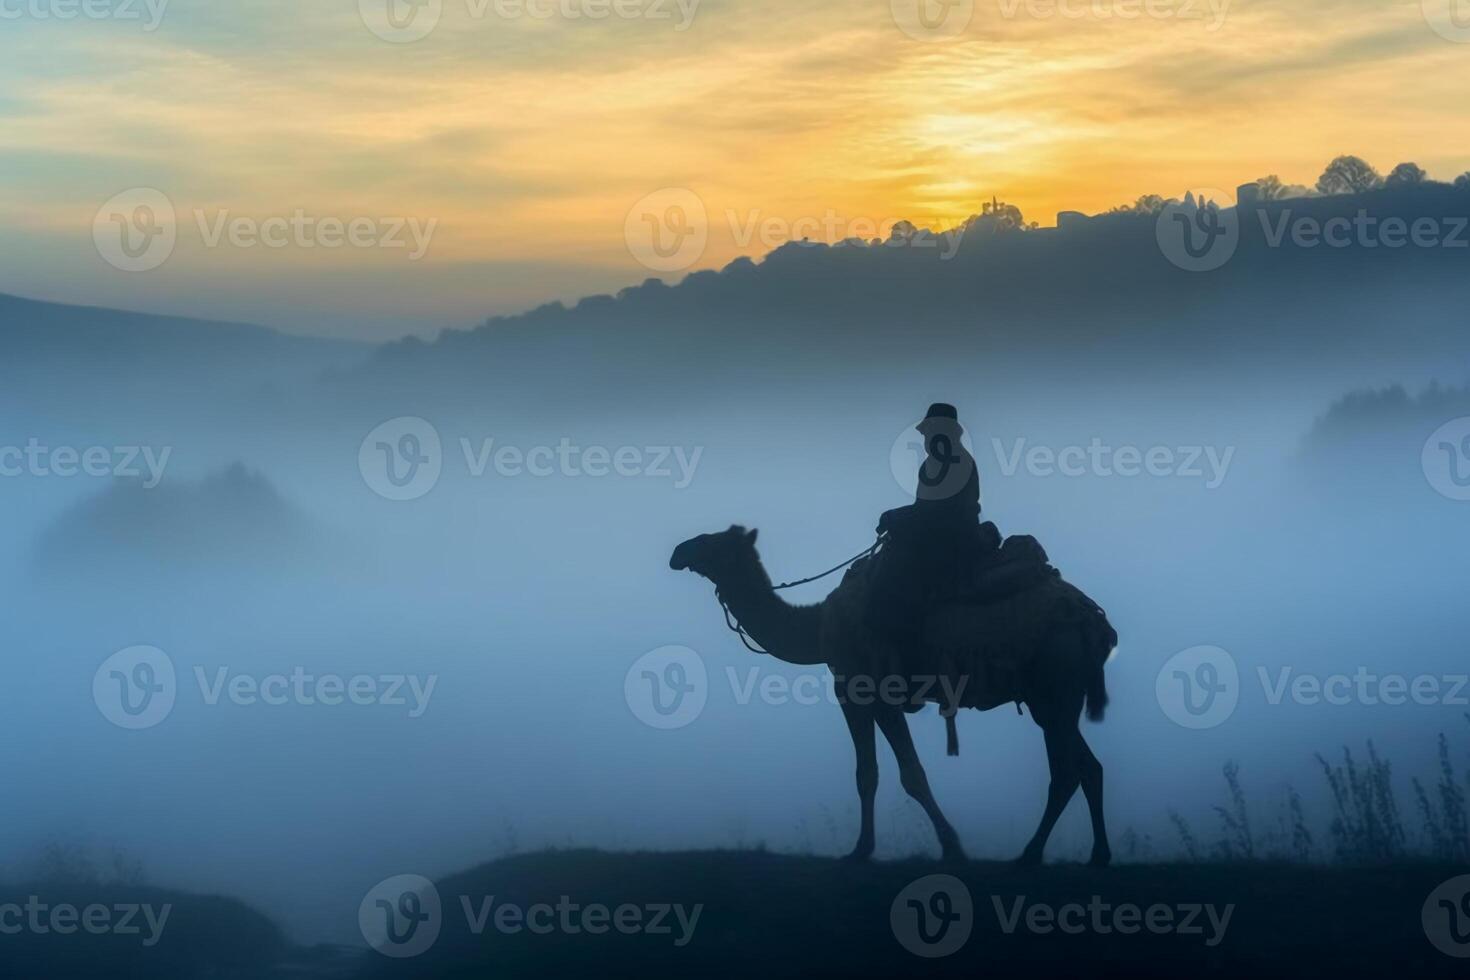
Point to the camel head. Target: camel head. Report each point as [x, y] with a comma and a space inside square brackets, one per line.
[719, 556]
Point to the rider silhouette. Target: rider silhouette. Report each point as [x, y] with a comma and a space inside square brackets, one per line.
[949, 482]
[931, 541]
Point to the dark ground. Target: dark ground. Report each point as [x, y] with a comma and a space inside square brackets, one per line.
[769, 915]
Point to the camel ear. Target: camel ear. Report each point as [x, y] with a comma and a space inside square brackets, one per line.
[751, 536]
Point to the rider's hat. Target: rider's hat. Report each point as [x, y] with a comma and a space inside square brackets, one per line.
[942, 410]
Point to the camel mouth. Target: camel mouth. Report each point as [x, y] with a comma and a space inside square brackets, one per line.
[679, 560]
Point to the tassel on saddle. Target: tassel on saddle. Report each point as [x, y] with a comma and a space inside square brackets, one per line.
[952, 734]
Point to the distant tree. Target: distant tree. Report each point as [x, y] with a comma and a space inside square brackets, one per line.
[1406, 175]
[1463, 181]
[996, 215]
[1005, 215]
[902, 231]
[1348, 175]
[1271, 188]
[1148, 204]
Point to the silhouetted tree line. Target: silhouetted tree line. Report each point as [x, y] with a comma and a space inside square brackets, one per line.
[1346, 174]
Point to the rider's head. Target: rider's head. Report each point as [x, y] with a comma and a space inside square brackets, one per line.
[941, 419]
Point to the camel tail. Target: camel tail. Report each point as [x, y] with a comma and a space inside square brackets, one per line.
[1104, 640]
[1097, 695]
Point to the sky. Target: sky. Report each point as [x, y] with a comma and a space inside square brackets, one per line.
[492, 155]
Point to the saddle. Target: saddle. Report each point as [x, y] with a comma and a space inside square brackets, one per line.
[976, 626]
[984, 567]
[997, 569]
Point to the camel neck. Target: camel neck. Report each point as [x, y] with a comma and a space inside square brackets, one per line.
[789, 633]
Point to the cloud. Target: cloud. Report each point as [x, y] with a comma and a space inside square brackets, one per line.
[528, 139]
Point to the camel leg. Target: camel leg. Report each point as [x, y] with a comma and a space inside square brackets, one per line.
[1061, 755]
[860, 726]
[895, 727]
[1091, 772]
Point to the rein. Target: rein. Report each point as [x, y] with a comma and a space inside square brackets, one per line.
[745, 637]
[865, 553]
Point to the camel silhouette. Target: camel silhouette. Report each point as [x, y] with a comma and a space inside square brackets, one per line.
[1060, 673]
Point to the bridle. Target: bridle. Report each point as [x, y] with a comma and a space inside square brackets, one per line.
[745, 637]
